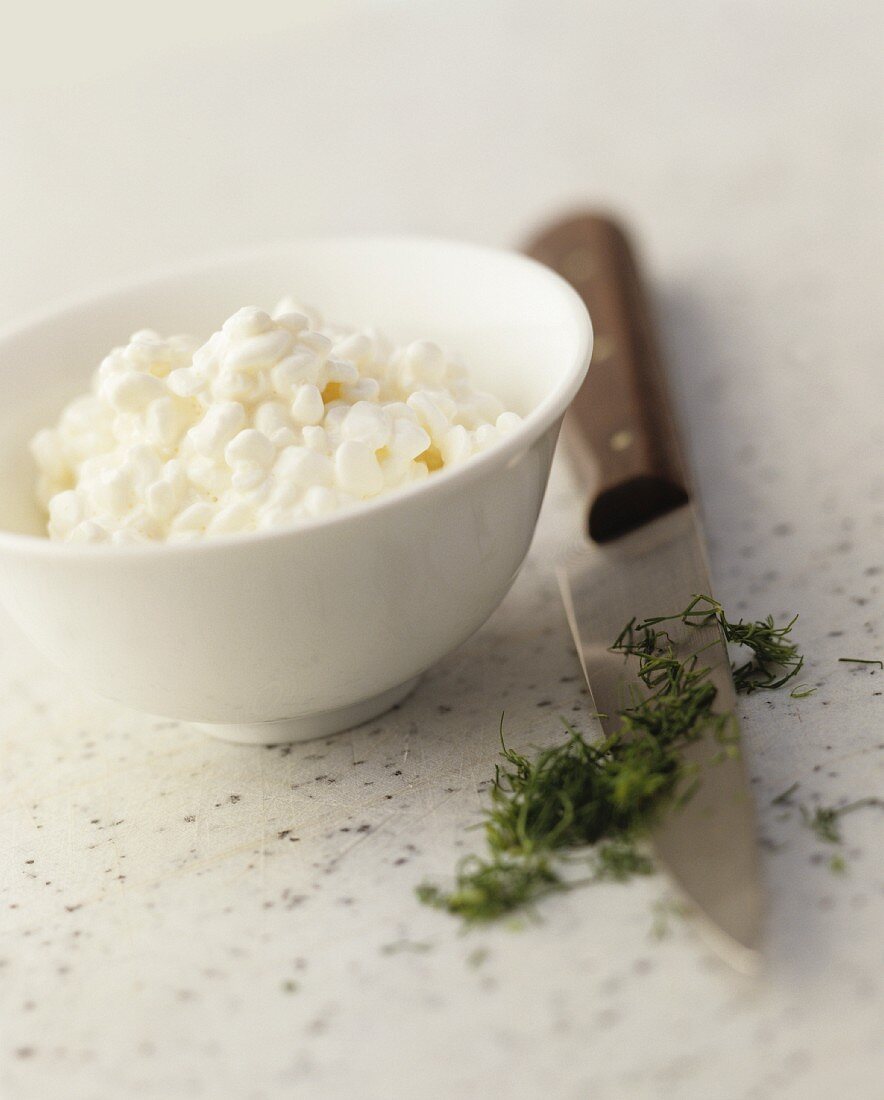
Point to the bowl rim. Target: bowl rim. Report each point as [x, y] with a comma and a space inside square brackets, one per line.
[533, 425]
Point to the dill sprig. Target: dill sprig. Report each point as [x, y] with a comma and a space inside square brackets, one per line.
[784, 798]
[825, 821]
[775, 660]
[619, 860]
[608, 794]
[485, 889]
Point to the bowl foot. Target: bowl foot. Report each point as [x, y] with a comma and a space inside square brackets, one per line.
[309, 726]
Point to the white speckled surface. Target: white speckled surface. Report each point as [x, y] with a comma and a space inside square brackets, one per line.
[185, 918]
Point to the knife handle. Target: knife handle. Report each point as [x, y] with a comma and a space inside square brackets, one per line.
[620, 428]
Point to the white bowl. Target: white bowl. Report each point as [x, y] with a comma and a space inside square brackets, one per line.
[292, 634]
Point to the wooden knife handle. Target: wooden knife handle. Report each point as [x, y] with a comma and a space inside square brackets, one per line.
[619, 427]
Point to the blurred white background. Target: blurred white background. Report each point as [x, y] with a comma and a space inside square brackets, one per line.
[732, 133]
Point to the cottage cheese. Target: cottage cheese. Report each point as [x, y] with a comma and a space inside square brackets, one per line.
[274, 419]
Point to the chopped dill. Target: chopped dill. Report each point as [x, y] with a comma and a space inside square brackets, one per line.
[608, 794]
[774, 660]
[825, 820]
[802, 691]
[785, 797]
[619, 860]
[577, 793]
[486, 889]
[860, 661]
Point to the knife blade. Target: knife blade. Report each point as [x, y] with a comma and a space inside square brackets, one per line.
[643, 555]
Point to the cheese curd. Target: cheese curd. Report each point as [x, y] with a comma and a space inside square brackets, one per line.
[274, 419]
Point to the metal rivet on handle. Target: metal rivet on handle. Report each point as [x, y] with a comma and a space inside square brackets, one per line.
[602, 349]
[622, 439]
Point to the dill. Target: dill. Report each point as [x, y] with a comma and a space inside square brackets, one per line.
[785, 797]
[802, 691]
[485, 889]
[577, 793]
[619, 860]
[608, 794]
[860, 661]
[825, 820]
[775, 660]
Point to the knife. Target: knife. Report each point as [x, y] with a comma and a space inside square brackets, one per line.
[642, 555]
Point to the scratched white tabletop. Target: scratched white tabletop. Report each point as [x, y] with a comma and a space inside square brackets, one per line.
[186, 918]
